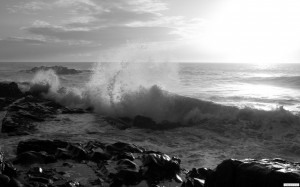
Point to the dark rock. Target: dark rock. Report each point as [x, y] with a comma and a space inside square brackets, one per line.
[125, 155]
[178, 178]
[121, 147]
[15, 183]
[35, 171]
[144, 122]
[77, 152]
[23, 112]
[40, 179]
[9, 170]
[60, 70]
[187, 183]
[259, 173]
[198, 183]
[99, 155]
[63, 154]
[4, 180]
[118, 123]
[49, 146]
[203, 173]
[128, 172]
[10, 90]
[32, 157]
[160, 167]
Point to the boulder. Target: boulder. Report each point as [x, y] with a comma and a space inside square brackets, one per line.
[250, 172]
[10, 90]
[49, 146]
[32, 157]
[160, 167]
[144, 122]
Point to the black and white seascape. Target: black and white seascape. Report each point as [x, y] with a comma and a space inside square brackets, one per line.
[149, 93]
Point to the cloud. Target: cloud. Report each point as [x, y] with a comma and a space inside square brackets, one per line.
[107, 36]
[22, 49]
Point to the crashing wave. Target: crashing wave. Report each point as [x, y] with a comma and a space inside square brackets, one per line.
[126, 89]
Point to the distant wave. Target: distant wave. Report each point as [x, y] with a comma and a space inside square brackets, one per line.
[284, 81]
[123, 90]
[254, 99]
[60, 70]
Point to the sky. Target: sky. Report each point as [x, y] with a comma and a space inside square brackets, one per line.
[256, 31]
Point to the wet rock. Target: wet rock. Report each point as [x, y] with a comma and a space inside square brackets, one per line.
[128, 172]
[125, 155]
[160, 167]
[121, 147]
[118, 123]
[9, 169]
[249, 172]
[99, 155]
[203, 173]
[49, 146]
[4, 180]
[63, 154]
[198, 183]
[15, 183]
[77, 152]
[40, 179]
[10, 90]
[144, 122]
[60, 70]
[178, 178]
[32, 157]
[22, 113]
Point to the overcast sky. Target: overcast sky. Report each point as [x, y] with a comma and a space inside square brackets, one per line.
[169, 30]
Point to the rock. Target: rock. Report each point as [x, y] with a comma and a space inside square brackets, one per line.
[198, 183]
[63, 154]
[144, 122]
[49, 146]
[249, 172]
[128, 172]
[15, 183]
[187, 183]
[178, 178]
[77, 152]
[32, 157]
[40, 179]
[9, 170]
[60, 70]
[118, 123]
[23, 112]
[99, 155]
[160, 167]
[4, 180]
[125, 155]
[10, 90]
[121, 147]
[203, 173]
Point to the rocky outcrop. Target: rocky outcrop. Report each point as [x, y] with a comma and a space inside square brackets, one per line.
[250, 172]
[123, 164]
[58, 163]
[21, 115]
[10, 90]
[60, 70]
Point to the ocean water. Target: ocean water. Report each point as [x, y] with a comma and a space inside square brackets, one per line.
[266, 86]
[255, 109]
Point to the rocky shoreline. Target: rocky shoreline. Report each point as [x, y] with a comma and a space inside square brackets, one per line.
[56, 162]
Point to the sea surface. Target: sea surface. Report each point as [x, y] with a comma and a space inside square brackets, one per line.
[128, 89]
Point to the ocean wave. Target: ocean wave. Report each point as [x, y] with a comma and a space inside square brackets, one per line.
[284, 81]
[283, 101]
[128, 90]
